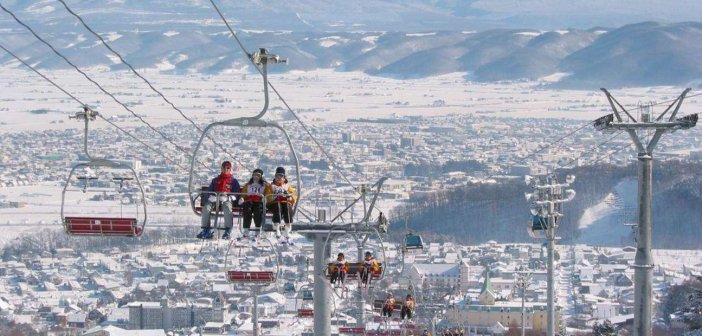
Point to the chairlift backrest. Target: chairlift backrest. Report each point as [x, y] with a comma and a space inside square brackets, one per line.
[104, 225]
[241, 122]
[100, 226]
[413, 242]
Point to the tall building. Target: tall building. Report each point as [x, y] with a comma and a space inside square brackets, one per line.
[159, 315]
[448, 275]
[489, 315]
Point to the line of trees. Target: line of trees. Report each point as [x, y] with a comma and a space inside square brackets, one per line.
[480, 212]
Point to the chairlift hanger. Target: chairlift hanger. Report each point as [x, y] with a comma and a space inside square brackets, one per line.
[121, 181]
[241, 276]
[100, 226]
[262, 58]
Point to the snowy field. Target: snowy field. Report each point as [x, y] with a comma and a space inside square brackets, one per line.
[605, 224]
[29, 103]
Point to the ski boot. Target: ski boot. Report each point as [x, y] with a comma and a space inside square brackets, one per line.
[227, 234]
[205, 234]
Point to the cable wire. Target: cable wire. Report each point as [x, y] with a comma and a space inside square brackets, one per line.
[83, 104]
[309, 133]
[178, 147]
[552, 143]
[667, 101]
[148, 82]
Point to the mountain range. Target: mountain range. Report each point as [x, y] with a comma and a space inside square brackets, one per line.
[180, 38]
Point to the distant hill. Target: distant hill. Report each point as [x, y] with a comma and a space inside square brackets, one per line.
[643, 54]
[366, 15]
[478, 213]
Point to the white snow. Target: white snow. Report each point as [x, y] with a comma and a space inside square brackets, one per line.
[114, 59]
[171, 33]
[555, 77]
[371, 39]
[303, 20]
[419, 34]
[112, 36]
[603, 224]
[528, 33]
[39, 9]
[600, 32]
[180, 58]
[252, 31]
[165, 65]
[331, 41]
[562, 32]
[80, 38]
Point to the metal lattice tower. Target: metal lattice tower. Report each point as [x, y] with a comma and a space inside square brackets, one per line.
[546, 205]
[643, 261]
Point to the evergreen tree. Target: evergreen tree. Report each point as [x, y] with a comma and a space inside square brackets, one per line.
[604, 329]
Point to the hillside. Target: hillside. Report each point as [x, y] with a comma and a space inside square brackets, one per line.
[478, 213]
[644, 54]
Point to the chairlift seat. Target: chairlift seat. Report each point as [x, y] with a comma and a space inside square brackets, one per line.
[378, 305]
[305, 313]
[353, 271]
[289, 287]
[352, 330]
[413, 242]
[307, 295]
[539, 223]
[102, 226]
[250, 277]
[393, 332]
[237, 210]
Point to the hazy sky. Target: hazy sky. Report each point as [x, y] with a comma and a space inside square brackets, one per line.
[338, 15]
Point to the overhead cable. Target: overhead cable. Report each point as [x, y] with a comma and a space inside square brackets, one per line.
[309, 133]
[147, 81]
[83, 104]
[178, 147]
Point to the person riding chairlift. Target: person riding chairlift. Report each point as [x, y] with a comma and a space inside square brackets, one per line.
[370, 265]
[388, 305]
[219, 186]
[340, 269]
[252, 202]
[281, 197]
[407, 307]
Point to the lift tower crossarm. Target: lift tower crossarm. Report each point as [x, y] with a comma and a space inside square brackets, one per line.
[643, 261]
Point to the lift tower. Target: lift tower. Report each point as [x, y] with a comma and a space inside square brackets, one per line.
[546, 207]
[643, 261]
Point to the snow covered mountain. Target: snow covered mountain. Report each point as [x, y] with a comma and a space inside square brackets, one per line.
[376, 37]
[375, 15]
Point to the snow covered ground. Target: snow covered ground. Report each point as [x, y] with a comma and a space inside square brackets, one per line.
[604, 223]
[318, 96]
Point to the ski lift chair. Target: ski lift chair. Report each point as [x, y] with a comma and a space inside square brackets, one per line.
[305, 312]
[307, 295]
[103, 225]
[413, 242]
[537, 226]
[238, 274]
[352, 330]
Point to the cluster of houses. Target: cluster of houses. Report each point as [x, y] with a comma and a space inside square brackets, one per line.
[182, 288]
